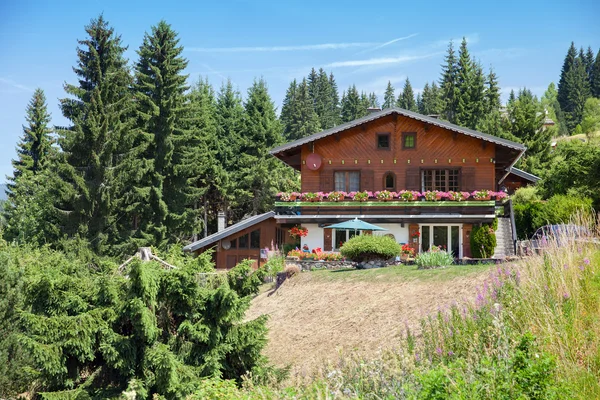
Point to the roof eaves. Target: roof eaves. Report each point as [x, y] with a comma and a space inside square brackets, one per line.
[524, 174]
[230, 230]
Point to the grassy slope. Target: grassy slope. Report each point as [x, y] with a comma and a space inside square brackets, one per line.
[317, 315]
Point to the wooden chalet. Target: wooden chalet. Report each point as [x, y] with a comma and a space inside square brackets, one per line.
[393, 150]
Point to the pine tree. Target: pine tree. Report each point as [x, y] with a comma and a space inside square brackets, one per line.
[34, 150]
[373, 100]
[464, 85]
[563, 95]
[449, 85]
[595, 77]
[289, 109]
[261, 173]
[423, 100]
[437, 103]
[389, 99]
[98, 143]
[29, 213]
[419, 102]
[492, 93]
[578, 90]
[365, 103]
[477, 107]
[304, 121]
[334, 117]
[229, 117]
[323, 102]
[352, 108]
[160, 93]
[406, 99]
[552, 109]
[589, 62]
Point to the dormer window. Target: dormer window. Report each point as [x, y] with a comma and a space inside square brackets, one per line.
[383, 141]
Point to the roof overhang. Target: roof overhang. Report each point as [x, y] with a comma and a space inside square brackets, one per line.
[507, 153]
[420, 218]
[523, 174]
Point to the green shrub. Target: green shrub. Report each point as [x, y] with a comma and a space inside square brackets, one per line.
[483, 241]
[525, 215]
[244, 280]
[370, 247]
[525, 195]
[434, 258]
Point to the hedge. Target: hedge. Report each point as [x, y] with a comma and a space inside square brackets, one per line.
[369, 247]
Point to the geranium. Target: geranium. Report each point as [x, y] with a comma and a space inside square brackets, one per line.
[409, 195]
[288, 196]
[416, 234]
[481, 195]
[298, 231]
[312, 196]
[385, 195]
[458, 196]
[500, 195]
[433, 195]
[406, 249]
[361, 196]
[335, 196]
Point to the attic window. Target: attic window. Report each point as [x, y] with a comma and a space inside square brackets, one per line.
[409, 140]
[383, 141]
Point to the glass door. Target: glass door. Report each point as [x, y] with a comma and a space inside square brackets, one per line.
[440, 237]
[446, 237]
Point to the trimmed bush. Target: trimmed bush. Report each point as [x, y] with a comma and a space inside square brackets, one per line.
[369, 247]
[483, 241]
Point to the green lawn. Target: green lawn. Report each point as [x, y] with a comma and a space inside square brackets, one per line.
[399, 273]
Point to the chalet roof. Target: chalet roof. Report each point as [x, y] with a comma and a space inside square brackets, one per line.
[395, 110]
[230, 230]
[523, 174]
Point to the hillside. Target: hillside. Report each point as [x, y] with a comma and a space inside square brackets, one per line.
[317, 315]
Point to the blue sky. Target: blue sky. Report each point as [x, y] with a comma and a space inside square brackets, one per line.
[366, 43]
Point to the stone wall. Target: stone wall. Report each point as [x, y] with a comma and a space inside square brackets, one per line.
[306, 265]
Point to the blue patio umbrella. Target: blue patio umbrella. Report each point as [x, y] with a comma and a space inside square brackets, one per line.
[357, 225]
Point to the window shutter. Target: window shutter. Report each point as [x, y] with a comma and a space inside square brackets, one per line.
[367, 180]
[467, 179]
[413, 179]
[327, 240]
[326, 181]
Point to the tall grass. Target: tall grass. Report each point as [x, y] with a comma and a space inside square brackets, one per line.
[532, 331]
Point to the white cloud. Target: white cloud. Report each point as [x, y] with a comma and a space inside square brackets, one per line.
[15, 85]
[379, 61]
[388, 43]
[304, 47]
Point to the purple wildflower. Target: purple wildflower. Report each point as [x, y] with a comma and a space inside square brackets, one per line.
[439, 351]
[566, 296]
[417, 357]
[566, 266]
[586, 261]
[450, 353]
[581, 267]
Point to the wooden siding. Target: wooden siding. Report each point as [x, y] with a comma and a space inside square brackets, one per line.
[231, 257]
[466, 239]
[356, 149]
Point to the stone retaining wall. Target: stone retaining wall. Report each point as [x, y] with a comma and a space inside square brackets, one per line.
[306, 265]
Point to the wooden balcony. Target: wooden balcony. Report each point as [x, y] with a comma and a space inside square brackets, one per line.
[392, 207]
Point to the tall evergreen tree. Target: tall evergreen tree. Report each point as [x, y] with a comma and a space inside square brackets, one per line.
[229, 118]
[477, 107]
[304, 121]
[289, 109]
[589, 62]
[334, 109]
[389, 99]
[552, 109]
[563, 95]
[323, 102]
[595, 77]
[160, 87]
[34, 149]
[98, 142]
[352, 107]
[437, 103]
[423, 100]
[406, 99]
[577, 88]
[492, 93]
[373, 100]
[464, 85]
[449, 85]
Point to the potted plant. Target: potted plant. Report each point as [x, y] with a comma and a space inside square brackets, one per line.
[409, 195]
[458, 196]
[312, 196]
[385, 195]
[407, 252]
[415, 236]
[335, 196]
[298, 231]
[481, 195]
[500, 195]
[361, 196]
[432, 195]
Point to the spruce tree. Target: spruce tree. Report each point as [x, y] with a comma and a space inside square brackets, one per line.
[160, 87]
[323, 102]
[406, 99]
[464, 85]
[373, 100]
[477, 107]
[34, 149]
[577, 88]
[424, 103]
[419, 102]
[492, 93]
[449, 85]
[437, 103]
[389, 99]
[595, 77]
[289, 110]
[589, 62]
[229, 118]
[334, 117]
[304, 121]
[365, 103]
[352, 107]
[98, 143]
[563, 94]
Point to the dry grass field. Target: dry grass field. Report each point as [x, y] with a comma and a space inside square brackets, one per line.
[317, 315]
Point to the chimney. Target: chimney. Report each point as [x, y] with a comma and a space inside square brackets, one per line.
[220, 221]
[372, 110]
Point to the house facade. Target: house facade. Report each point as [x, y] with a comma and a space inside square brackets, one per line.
[392, 150]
